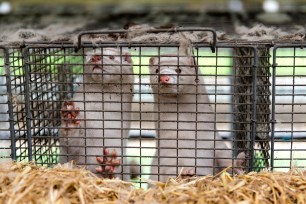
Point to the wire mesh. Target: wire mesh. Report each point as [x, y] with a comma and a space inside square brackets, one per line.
[252, 104]
[5, 148]
[288, 102]
[77, 104]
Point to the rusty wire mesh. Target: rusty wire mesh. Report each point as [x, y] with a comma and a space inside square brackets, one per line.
[252, 74]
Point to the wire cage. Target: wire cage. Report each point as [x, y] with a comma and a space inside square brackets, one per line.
[148, 109]
[252, 101]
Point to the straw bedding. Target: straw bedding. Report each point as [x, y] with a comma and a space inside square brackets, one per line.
[28, 183]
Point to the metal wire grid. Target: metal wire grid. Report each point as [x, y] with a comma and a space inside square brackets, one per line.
[251, 99]
[39, 101]
[26, 108]
[5, 150]
[51, 67]
[288, 107]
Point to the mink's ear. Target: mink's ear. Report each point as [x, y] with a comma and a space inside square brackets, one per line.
[192, 61]
[152, 61]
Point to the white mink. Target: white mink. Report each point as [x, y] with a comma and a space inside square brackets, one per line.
[102, 107]
[185, 122]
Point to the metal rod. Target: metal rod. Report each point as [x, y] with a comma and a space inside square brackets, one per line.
[254, 104]
[10, 101]
[213, 45]
[273, 121]
[27, 101]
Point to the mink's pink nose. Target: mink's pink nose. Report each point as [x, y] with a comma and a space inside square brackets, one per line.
[164, 79]
[96, 59]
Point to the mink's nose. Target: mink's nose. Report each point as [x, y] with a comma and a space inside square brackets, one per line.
[164, 79]
[96, 59]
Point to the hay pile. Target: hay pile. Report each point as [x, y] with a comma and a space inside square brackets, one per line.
[27, 183]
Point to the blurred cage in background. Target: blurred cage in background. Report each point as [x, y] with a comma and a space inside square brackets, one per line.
[257, 93]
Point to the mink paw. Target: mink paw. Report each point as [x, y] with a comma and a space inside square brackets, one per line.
[108, 163]
[187, 173]
[69, 114]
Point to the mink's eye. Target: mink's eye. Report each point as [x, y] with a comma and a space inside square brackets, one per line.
[178, 70]
[156, 71]
[111, 57]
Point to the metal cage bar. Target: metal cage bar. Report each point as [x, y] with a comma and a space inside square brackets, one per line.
[288, 66]
[42, 78]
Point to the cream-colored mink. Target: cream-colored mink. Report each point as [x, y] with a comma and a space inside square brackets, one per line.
[96, 121]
